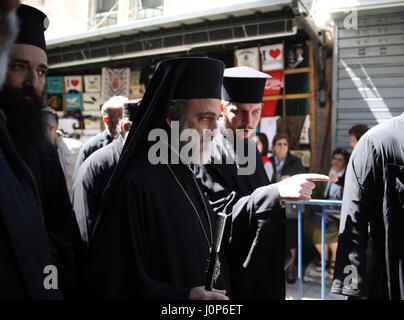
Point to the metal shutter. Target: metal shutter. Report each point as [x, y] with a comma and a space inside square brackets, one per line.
[368, 73]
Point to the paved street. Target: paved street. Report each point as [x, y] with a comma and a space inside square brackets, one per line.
[311, 287]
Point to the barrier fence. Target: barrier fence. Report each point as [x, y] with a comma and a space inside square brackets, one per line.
[327, 208]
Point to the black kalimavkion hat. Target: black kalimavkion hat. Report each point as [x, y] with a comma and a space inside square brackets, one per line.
[33, 24]
[243, 85]
[200, 77]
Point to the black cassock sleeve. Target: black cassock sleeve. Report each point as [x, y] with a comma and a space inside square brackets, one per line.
[117, 252]
[360, 199]
[254, 243]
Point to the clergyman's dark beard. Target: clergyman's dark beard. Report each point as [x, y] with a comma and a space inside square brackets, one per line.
[25, 121]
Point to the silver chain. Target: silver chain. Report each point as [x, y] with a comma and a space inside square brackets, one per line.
[199, 218]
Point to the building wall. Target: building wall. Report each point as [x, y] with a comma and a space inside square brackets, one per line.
[66, 17]
[369, 72]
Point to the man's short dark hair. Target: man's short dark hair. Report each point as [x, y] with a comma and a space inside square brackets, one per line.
[50, 114]
[358, 131]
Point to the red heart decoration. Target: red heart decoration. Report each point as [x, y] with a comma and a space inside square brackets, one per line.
[274, 53]
[75, 83]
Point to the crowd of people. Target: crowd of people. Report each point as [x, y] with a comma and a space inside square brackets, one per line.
[133, 213]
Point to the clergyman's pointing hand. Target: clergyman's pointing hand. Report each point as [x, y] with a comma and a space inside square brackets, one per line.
[299, 187]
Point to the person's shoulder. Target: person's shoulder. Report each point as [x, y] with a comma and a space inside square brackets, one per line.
[94, 140]
[387, 129]
[101, 154]
[72, 144]
[382, 138]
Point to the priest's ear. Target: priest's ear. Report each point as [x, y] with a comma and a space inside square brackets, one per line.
[171, 116]
[105, 119]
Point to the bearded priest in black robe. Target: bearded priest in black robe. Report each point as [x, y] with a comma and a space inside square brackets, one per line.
[257, 257]
[22, 100]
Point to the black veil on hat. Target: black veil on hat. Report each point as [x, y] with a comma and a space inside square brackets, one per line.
[129, 108]
[178, 78]
[33, 24]
[243, 85]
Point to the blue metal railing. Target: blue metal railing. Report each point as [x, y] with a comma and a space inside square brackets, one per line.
[325, 210]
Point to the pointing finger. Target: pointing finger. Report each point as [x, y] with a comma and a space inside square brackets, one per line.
[315, 177]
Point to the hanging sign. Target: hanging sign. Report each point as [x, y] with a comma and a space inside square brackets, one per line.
[248, 58]
[272, 57]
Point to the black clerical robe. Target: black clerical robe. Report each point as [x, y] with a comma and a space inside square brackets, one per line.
[24, 245]
[60, 221]
[153, 236]
[256, 254]
[373, 195]
[90, 183]
[100, 140]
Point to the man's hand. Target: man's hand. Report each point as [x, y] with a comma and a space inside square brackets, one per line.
[299, 187]
[334, 178]
[199, 293]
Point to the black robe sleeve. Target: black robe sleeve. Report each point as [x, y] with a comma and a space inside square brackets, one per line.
[360, 198]
[253, 240]
[116, 264]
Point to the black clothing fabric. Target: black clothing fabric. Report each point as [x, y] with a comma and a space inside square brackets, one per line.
[293, 165]
[373, 194]
[24, 245]
[58, 214]
[100, 140]
[254, 245]
[149, 243]
[90, 183]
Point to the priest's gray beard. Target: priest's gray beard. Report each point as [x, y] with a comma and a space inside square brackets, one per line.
[8, 23]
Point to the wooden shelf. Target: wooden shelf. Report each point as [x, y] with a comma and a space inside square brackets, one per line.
[288, 96]
[297, 70]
